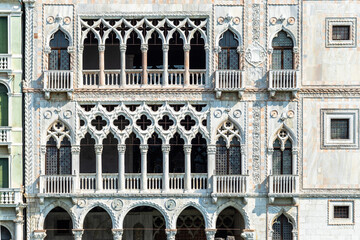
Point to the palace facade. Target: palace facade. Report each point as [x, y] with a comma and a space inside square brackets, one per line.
[191, 120]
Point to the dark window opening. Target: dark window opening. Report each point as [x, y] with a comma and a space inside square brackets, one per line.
[87, 108]
[132, 107]
[199, 107]
[59, 58]
[110, 155]
[4, 105]
[176, 155]
[282, 160]
[91, 52]
[187, 122]
[87, 155]
[155, 107]
[340, 128]
[98, 225]
[133, 52]
[121, 122]
[228, 57]
[341, 33]
[98, 123]
[154, 155]
[58, 160]
[112, 52]
[155, 52]
[197, 52]
[132, 154]
[166, 122]
[176, 52]
[190, 225]
[109, 108]
[199, 154]
[58, 223]
[4, 173]
[229, 224]
[228, 160]
[177, 107]
[143, 122]
[4, 35]
[282, 56]
[282, 228]
[341, 211]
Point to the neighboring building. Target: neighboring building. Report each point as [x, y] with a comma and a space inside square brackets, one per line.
[227, 120]
[11, 160]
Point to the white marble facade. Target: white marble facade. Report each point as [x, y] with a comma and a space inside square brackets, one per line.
[257, 104]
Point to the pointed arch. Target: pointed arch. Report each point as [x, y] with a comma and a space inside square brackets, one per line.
[101, 205]
[234, 31]
[51, 206]
[199, 208]
[238, 207]
[4, 105]
[54, 31]
[232, 127]
[292, 136]
[275, 34]
[59, 130]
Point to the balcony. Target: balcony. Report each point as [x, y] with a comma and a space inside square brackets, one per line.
[153, 78]
[56, 81]
[229, 81]
[283, 80]
[10, 197]
[230, 186]
[283, 186]
[5, 137]
[5, 63]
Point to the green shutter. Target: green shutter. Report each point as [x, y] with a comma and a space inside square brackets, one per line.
[4, 173]
[3, 35]
[3, 106]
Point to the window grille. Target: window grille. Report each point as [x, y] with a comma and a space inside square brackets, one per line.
[58, 160]
[228, 57]
[282, 228]
[282, 56]
[341, 212]
[339, 128]
[282, 159]
[341, 33]
[59, 58]
[198, 155]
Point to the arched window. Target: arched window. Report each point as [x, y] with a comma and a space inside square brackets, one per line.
[282, 56]
[5, 234]
[228, 57]
[110, 154]
[176, 52]
[132, 154]
[58, 150]
[197, 52]
[228, 150]
[58, 160]
[133, 52]
[4, 104]
[176, 155]
[198, 155]
[59, 58]
[91, 52]
[282, 155]
[282, 228]
[154, 154]
[87, 155]
[112, 52]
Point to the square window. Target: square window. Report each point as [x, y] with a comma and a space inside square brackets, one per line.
[340, 212]
[340, 32]
[339, 128]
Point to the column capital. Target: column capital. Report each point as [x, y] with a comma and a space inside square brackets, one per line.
[43, 149]
[217, 49]
[101, 47]
[170, 234]
[294, 151]
[144, 47]
[123, 47]
[75, 149]
[248, 234]
[165, 47]
[118, 233]
[211, 149]
[98, 148]
[240, 49]
[144, 148]
[121, 148]
[165, 148]
[187, 47]
[270, 150]
[187, 148]
[78, 233]
[210, 234]
[39, 234]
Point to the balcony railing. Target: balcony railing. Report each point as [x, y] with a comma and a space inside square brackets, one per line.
[5, 62]
[56, 184]
[176, 181]
[154, 78]
[230, 184]
[5, 135]
[283, 184]
[229, 81]
[87, 181]
[58, 81]
[283, 80]
[10, 196]
[199, 181]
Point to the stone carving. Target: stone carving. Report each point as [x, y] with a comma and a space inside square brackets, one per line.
[117, 204]
[170, 204]
[67, 114]
[228, 19]
[255, 54]
[256, 142]
[256, 22]
[58, 131]
[81, 203]
[47, 114]
[218, 113]
[274, 113]
[237, 113]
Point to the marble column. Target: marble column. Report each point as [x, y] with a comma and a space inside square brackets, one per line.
[211, 152]
[210, 234]
[144, 50]
[102, 64]
[98, 151]
[123, 63]
[75, 157]
[170, 233]
[144, 150]
[121, 149]
[117, 233]
[166, 151]
[78, 233]
[186, 64]
[19, 224]
[187, 151]
[165, 49]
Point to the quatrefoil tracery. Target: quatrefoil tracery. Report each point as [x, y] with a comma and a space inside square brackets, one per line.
[228, 131]
[58, 131]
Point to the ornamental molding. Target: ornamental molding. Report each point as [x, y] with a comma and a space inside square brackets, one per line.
[255, 54]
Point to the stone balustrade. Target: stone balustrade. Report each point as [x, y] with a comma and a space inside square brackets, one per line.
[10, 196]
[284, 184]
[229, 81]
[230, 184]
[5, 62]
[58, 81]
[5, 136]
